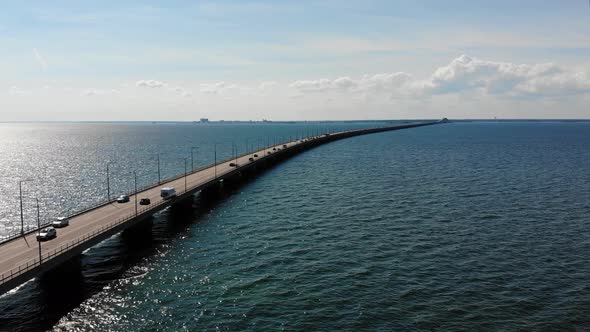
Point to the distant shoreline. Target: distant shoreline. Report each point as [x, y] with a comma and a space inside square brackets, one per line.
[222, 122]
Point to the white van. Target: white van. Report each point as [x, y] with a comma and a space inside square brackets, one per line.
[167, 193]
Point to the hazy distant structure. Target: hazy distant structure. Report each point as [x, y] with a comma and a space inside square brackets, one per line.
[204, 120]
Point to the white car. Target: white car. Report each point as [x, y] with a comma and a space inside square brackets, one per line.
[60, 222]
[47, 234]
[167, 193]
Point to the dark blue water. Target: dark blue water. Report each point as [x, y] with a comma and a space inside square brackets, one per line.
[466, 226]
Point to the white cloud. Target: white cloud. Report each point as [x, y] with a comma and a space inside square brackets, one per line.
[150, 84]
[99, 92]
[40, 59]
[384, 82]
[181, 91]
[378, 83]
[15, 91]
[368, 83]
[267, 85]
[319, 85]
[503, 78]
[217, 88]
[461, 76]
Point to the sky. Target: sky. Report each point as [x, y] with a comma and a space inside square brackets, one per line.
[293, 60]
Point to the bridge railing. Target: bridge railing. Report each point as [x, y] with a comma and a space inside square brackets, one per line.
[17, 233]
[29, 265]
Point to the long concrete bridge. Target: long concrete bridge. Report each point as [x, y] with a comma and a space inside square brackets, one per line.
[22, 258]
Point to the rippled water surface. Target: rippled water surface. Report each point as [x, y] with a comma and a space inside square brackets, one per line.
[465, 226]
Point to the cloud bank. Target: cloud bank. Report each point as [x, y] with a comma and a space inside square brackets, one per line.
[150, 84]
[463, 75]
[218, 88]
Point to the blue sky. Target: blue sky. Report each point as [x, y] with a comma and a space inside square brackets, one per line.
[180, 60]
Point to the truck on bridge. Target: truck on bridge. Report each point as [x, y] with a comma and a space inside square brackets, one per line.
[167, 193]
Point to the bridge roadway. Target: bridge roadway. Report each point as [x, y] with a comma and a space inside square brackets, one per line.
[19, 257]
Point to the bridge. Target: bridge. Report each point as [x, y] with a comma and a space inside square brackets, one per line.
[23, 258]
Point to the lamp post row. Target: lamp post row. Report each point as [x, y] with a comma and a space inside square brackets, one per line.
[315, 131]
[108, 181]
[234, 148]
[20, 191]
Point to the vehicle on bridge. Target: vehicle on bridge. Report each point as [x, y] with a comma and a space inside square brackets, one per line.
[47, 234]
[233, 165]
[60, 222]
[167, 193]
[123, 199]
[145, 201]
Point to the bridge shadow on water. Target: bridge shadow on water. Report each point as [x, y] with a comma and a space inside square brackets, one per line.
[40, 303]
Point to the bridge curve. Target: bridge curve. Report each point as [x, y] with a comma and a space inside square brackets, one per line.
[21, 258]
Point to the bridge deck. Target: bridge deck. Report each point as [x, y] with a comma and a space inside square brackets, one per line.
[19, 257]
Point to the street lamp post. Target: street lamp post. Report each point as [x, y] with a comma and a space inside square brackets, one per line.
[108, 181]
[215, 158]
[135, 194]
[38, 228]
[22, 219]
[185, 160]
[159, 178]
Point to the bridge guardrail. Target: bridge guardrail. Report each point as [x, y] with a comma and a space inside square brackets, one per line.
[17, 234]
[29, 265]
[22, 268]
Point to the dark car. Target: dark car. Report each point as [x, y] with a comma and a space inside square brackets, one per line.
[284, 145]
[233, 165]
[145, 201]
[123, 199]
[251, 159]
[255, 156]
